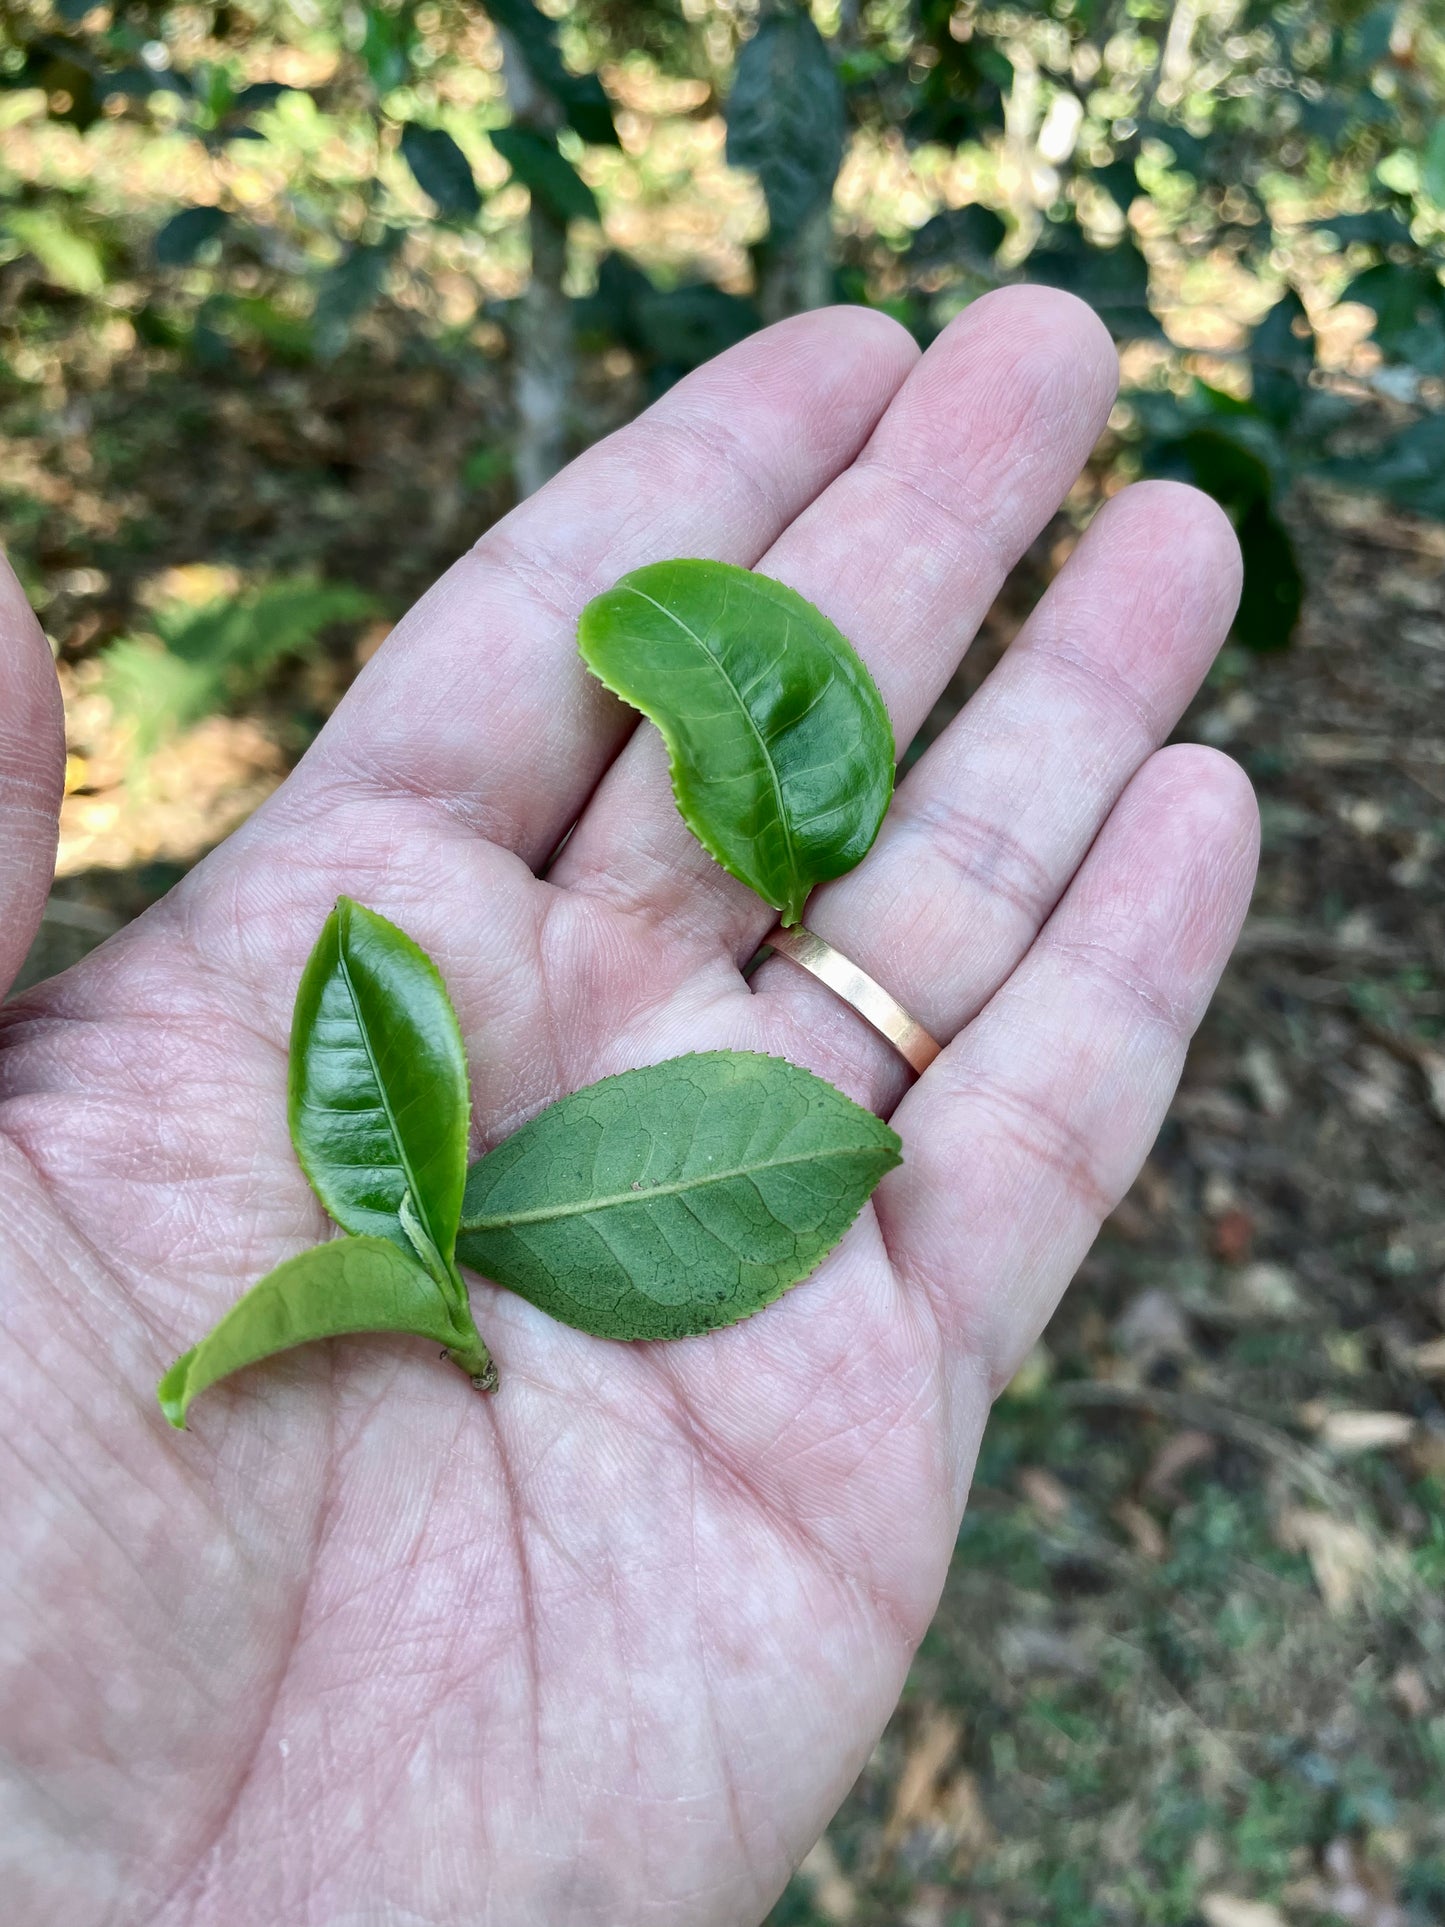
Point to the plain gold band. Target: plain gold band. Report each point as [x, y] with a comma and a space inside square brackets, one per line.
[871, 1001]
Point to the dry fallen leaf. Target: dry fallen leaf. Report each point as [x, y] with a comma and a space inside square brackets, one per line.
[1143, 1529]
[1044, 1492]
[1429, 1359]
[1176, 1456]
[1365, 1431]
[929, 1758]
[1353, 1890]
[1233, 1236]
[936, 1801]
[1227, 1910]
[834, 1895]
[1153, 1326]
[1263, 1290]
[1265, 1079]
[1411, 1693]
[1342, 1556]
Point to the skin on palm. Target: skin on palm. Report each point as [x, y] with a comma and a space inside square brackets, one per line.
[363, 1646]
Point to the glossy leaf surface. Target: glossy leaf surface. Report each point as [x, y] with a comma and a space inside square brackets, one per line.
[674, 1199]
[349, 1285]
[782, 752]
[378, 1081]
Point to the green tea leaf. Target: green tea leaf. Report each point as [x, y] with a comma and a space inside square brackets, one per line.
[545, 171]
[378, 1083]
[786, 119]
[349, 1285]
[441, 170]
[184, 235]
[675, 1199]
[580, 96]
[782, 752]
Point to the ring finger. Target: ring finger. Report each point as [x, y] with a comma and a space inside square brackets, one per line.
[989, 827]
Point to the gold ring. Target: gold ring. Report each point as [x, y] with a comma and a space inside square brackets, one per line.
[871, 1001]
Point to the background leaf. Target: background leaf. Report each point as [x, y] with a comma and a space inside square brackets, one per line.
[1272, 593]
[217, 653]
[1114, 281]
[348, 1285]
[674, 1199]
[184, 235]
[69, 259]
[347, 290]
[585, 106]
[545, 171]
[441, 170]
[782, 751]
[1408, 303]
[378, 1081]
[1282, 353]
[785, 119]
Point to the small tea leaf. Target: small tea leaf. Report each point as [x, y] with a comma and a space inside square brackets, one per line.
[378, 1082]
[782, 752]
[675, 1199]
[349, 1285]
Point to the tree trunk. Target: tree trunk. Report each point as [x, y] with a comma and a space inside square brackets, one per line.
[798, 273]
[544, 348]
[545, 354]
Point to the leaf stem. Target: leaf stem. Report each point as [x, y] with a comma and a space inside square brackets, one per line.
[469, 1350]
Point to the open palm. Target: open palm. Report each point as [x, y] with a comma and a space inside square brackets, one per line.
[609, 1647]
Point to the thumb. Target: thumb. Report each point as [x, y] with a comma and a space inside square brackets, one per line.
[32, 769]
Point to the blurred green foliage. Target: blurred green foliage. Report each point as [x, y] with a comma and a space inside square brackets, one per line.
[1136, 152]
[196, 658]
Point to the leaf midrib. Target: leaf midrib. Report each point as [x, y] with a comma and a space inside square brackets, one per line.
[396, 1137]
[677, 1188]
[736, 693]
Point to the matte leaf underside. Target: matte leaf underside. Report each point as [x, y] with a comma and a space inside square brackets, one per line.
[781, 748]
[675, 1199]
[349, 1285]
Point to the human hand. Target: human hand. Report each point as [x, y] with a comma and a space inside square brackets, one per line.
[608, 1648]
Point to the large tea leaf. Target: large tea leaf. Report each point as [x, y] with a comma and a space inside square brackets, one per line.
[786, 119]
[349, 1285]
[675, 1199]
[782, 752]
[378, 1083]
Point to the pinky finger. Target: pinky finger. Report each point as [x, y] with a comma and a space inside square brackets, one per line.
[32, 763]
[1034, 1122]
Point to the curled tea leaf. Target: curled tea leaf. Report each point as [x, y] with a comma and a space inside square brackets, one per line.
[781, 748]
[349, 1285]
[674, 1199]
